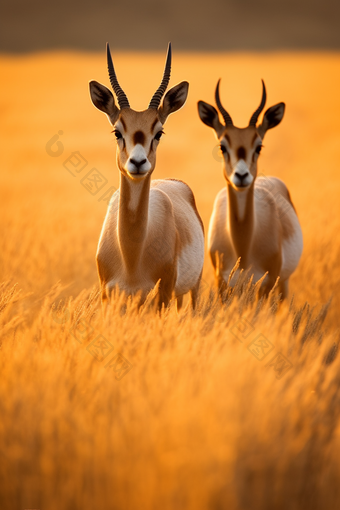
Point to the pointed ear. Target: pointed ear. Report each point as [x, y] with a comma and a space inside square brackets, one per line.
[103, 99]
[174, 100]
[209, 116]
[271, 118]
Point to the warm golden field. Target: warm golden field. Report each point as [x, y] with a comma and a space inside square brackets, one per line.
[198, 422]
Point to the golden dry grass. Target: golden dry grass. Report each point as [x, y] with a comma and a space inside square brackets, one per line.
[198, 421]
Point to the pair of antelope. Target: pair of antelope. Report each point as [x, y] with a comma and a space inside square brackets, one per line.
[153, 232]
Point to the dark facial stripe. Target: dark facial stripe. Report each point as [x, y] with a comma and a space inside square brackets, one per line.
[228, 139]
[122, 121]
[139, 137]
[151, 146]
[241, 153]
[153, 125]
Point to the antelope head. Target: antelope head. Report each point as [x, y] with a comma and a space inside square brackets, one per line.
[240, 147]
[138, 133]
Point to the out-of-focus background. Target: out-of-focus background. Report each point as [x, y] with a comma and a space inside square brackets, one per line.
[201, 25]
[203, 417]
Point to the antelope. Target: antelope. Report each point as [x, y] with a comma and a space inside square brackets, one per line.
[152, 230]
[253, 217]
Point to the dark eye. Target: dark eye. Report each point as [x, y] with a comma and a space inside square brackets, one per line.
[258, 149]
[158, 136]
[118, 134]
[223, 149]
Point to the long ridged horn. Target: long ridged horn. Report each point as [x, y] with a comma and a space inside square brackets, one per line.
[121, 96]
[227, 119]
[156, 99]
[257, 112]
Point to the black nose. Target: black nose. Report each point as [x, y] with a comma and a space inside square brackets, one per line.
[138, 163]
[241, 177]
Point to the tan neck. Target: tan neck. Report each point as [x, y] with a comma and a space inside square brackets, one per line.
[133, 219]
[240, 220]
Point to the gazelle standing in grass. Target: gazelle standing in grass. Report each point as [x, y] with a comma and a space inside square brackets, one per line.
[253, 217]
[152, 230]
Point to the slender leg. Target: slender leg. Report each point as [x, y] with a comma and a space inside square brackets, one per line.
[164, 296]
[104, 300]
[221, 286]
[194, 292]
[217, 261]
[179, 303]
[284, 289]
